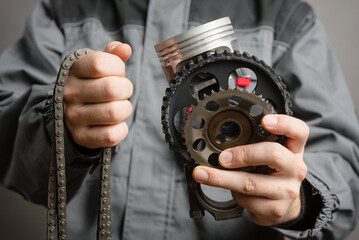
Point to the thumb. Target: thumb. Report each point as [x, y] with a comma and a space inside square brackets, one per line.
[122, 50]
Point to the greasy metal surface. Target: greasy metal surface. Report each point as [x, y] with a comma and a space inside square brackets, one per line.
[231, 123]
[57, 176]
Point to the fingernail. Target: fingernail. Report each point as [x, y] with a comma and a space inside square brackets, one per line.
[201, 175]
[270, 121]
[226, 157]
[113, 47]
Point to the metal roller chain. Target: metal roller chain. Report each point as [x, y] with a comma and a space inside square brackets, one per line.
[57, 177]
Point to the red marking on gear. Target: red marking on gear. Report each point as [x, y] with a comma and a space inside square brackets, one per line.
[243, 82]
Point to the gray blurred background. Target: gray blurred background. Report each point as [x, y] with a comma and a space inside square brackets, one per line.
[342, 23]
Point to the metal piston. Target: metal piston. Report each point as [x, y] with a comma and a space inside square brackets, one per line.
[217, 35]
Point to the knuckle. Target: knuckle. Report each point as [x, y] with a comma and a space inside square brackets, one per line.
[110, 88]
[129, 88]
[97, 62]
[121, 67]
[113, 111]
[275, 151]
[306, 130]
[71, 115]
[68, 93]
[123, 131]
[241, 155]
[249, 185]
[277, 211]
[303, 131]
[110, 138]
[126, 87]
[77, 135]
[302, 171]
[293, 193]
[129, 109]
[115, 135]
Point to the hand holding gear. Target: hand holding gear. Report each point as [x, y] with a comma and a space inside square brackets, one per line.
[272, 198]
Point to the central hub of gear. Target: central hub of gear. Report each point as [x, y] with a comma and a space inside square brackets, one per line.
[222, 120]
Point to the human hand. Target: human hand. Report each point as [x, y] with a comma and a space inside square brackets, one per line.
[269, 199]
[96, 97]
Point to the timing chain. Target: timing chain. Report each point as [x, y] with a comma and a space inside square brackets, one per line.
[56, 211]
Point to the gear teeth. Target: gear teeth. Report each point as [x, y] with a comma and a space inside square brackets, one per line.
[218, 54]
[263, 63]
[237, 53]
[184, 70]
[172, 82]
[255, 58]
[200, 59]
[246, 55]
[164, 102]
[175, 141]
[209, 55]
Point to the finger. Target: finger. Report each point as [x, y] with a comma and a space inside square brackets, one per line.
[237, 181]
[99, 114]
[98, 90]
[270, 154]
[119, 49]
[295, 129]
[100, 136]
[97, 65]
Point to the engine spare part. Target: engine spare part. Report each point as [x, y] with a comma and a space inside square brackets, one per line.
[56, 209]
[216, 99]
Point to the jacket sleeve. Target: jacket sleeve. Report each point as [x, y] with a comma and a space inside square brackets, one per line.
[320, 97]
[28, 71]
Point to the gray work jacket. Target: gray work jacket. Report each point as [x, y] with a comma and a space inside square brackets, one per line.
[149, 194]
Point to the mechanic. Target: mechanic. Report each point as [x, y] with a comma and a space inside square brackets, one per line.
[113, 98]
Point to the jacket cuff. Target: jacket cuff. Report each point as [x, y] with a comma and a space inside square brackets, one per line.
[317, 210]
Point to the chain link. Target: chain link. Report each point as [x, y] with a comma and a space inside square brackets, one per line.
[56, 209]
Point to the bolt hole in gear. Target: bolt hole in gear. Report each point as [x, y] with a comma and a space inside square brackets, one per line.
[216, 99]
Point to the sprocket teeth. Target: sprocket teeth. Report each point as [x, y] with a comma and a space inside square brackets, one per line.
[263, 63]
[246, 55]
[172, 83]
[209, 55]
[174, 140]
[255, 58]
[200, 59]
[237, 53]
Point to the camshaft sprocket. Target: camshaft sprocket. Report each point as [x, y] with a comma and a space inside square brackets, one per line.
[205, 78]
